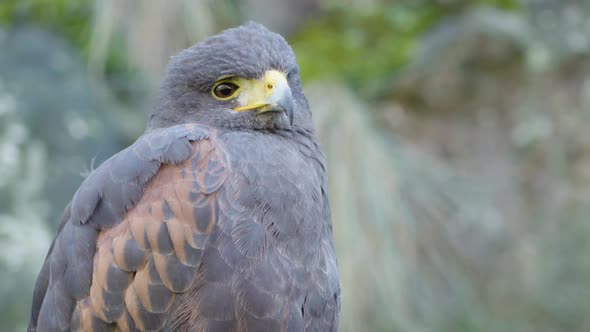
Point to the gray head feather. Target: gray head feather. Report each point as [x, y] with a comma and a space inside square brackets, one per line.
[246, 51]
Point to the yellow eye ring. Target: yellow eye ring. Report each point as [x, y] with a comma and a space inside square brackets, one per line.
[225, 90]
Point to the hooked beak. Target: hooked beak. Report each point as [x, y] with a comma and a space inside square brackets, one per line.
[269, 94]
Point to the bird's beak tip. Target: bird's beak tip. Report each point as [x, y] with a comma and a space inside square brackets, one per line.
[287, 105]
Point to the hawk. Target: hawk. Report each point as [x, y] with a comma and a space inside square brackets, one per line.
[215, 219]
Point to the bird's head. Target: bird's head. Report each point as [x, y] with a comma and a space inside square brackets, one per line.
[242, 78]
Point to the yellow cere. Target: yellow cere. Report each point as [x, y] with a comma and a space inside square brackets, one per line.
[256, 93]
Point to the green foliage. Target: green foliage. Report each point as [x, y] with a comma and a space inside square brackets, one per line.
[363, 50]
[366, 48]
[71, 19]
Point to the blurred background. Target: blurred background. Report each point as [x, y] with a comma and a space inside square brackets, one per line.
[456, 132]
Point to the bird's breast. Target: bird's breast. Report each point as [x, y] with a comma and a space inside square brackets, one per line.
[269, 260]
[279, 183]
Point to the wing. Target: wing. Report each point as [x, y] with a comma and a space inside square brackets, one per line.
[43, 278]
[132, 237]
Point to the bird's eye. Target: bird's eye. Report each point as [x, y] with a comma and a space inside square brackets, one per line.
[225, 90]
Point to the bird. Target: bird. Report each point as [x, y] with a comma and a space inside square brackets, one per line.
[216, 218]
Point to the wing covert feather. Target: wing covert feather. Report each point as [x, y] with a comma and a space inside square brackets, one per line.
[132, 236]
